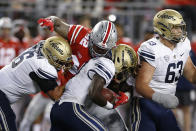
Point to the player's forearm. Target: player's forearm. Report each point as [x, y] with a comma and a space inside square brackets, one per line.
[145, 91]
[190, 75]
[56, 93]
[95, 91]
[60, 27]
[194, 76]
[97, 97]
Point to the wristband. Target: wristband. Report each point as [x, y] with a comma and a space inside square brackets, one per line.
[52, 18]
[128, 94]
[108, 105]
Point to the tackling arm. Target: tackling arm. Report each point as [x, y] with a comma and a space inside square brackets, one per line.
[48, 86]
[56, 93]
[143, 79]
[96, 86]
[53, 22]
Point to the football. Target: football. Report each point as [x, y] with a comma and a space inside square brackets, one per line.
[108, 94]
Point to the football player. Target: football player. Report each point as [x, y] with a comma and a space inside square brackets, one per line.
[85, 44]
[117, 119]
[87, 84]
[164, 58]
[34, 70]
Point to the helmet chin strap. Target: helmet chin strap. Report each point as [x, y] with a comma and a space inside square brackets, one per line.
[174, 42]
[94, 54]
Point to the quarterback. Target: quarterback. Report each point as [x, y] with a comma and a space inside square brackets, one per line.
[164, 58]
[34, 70]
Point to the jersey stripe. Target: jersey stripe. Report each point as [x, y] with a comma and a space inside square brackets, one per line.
[74, 33]
[147, 52]
[107, 33]
[4, 120]
[88, 119]
[45, 74]
[147, 56]
[77, 34]
[102, 74]
[105, 70]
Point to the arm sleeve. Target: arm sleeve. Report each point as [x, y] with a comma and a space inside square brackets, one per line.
[146, 53]
[103, 67]
[44, 84]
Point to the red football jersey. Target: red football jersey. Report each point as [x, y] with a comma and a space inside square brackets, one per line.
[8, 51]
[78, 37]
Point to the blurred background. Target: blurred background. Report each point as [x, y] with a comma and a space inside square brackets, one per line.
[135, 15]
[133, 18]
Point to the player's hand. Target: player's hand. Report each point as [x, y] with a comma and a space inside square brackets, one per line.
[46, 22]
[167, 100]
[121, 99]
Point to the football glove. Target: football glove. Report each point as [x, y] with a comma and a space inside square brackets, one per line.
[167, 100]
[122, 98]
[46, 22]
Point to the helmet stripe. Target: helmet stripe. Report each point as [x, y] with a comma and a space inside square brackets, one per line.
[107, 33]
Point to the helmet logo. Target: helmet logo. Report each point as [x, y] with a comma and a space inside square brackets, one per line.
[54, 45]
[55, 58]
[166, 58]
[165, 16]
[162, 25]
[130, 54]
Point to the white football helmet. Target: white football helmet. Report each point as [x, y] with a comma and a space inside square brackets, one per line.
[5, 22]
[5, 27]
[102, 38]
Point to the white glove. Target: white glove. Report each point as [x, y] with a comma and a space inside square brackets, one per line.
[167, 100]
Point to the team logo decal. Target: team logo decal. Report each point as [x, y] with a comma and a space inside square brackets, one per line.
[166, 58]
[151, 43]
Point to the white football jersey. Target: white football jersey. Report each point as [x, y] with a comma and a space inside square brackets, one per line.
[15, 80]
[77, 88]
[169, 64]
